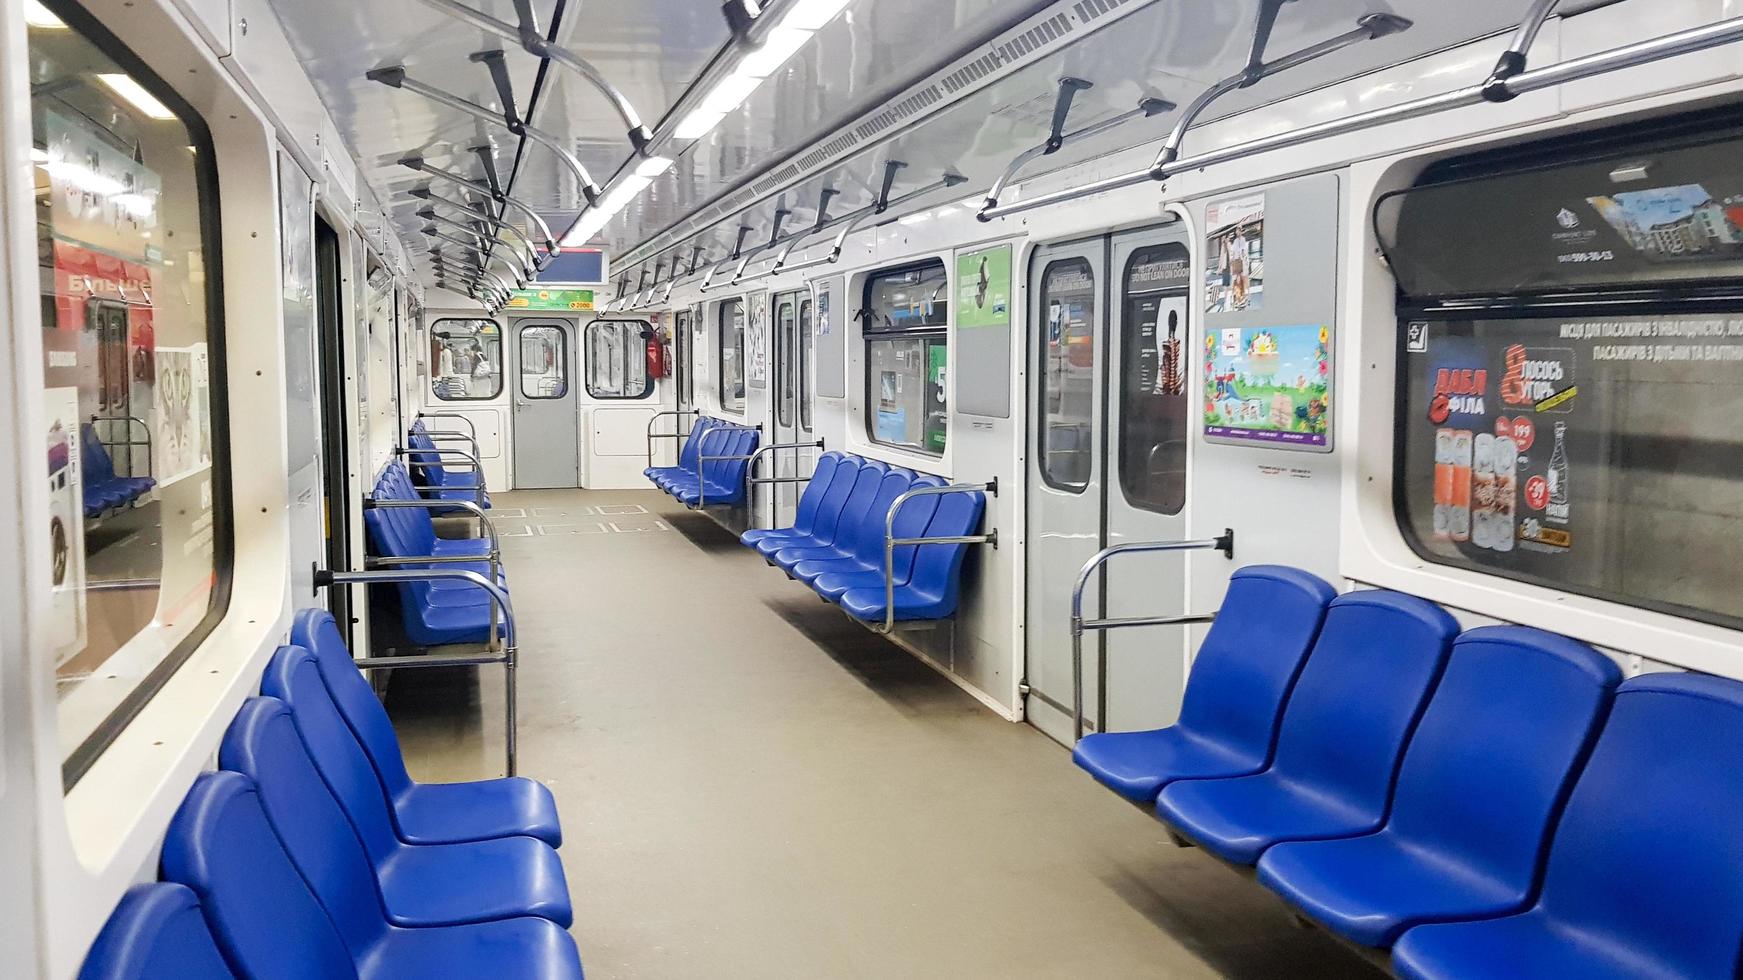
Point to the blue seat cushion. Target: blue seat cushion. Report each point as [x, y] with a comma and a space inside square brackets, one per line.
[155, 933]
[810, 570]
[436, 625]
[789, 557]
[912, 605]
[446, 813]
[511, 948]
[1237, 819]
[1527, 945]
[833, 585]
[1370, 889]
[1137, 765]
[476, 881]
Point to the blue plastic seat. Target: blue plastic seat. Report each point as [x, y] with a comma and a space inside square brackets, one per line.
[868, 480]
[720, 480]
[104, 490]
[1344, 728]
[423, 813]
[686, 454]
[1482, 781]
[935, 584]
[270, 924]
[805, 515]
[395, 533]
[854, 547]
[316, 791]
[1235, 693]
[830, 509]
[155, 933]
[432, 476]
[1642, 877]
[864, 568]
[711, 440]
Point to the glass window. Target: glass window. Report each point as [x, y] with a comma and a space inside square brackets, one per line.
[617, 360]
[544, 361]
[806, 341]
[731, 377]
[1154, 337]
[907, 357]
[1067, 374]
[681, 355]
[132, 383]
[466, 360]
[786, 324]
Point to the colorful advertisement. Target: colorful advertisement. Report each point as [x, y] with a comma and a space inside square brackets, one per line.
[983, 288]
[937, 407]
[1269, 385]
[552, 300]
[182, 440]
[1234, 277]
[66, 524]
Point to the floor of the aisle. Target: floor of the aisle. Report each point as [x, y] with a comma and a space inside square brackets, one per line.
[753, 787]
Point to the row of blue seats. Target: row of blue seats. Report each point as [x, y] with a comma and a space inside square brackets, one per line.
[103, 490]
[836, 543]
[1491, 803]
[433, 477]
[312, 854]
[440, 611]
[701, 476]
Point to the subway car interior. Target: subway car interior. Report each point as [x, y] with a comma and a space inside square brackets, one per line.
[872, 488]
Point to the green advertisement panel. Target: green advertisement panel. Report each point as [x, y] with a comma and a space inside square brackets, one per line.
[983, 287]
[561, 300]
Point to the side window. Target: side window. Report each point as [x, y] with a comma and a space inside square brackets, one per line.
[731, 376]
[1154, 337]
[806, 393]
[617, 361]
[135, 429]
[907, 357]
[1067, 374]
[786, 323]
[544, 362]
[686, 372]
[465, 360]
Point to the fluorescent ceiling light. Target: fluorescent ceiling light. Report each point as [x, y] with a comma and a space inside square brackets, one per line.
[782, 43]
[652, 167]
[36, 15]
[697, 124]
[730, 92]
[132, 91]
[915, 218]
[809, 15]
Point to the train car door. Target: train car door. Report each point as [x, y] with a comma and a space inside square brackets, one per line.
[1065, 464]
[546, 450]
[785, 396]
[683, 372]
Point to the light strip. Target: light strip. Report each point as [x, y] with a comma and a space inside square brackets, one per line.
[135, 93]
[36, 15]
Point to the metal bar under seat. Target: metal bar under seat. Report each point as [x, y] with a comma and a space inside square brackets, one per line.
[130, 442]
[891, 541]
[1224, 543]
[652, 435]
[750, 471]
[509, 657]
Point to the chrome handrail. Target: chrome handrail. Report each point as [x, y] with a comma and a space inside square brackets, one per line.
[477, 465]
[750, 479]
[130, 441]
[484, 524]
[891, 541]
[510, 650]
[1224, 543]
[665, 435]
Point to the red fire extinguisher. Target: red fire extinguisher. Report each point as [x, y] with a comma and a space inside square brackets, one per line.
[656, 353]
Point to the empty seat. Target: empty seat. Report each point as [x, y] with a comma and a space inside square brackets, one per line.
[1235, 693]
[830, 508]
[935, 584]
[1482, 781]
[155, 933]
[316, 791]
[103, 490]
[1642, 876]
[856, 547]
[434, 612]
[1344, 728]
[720, 470]
[432, 476]
[423, 813]
[864, 569]
[868, 480]
[686, 454]
[805, 515]
[270, 925]
[396, 484]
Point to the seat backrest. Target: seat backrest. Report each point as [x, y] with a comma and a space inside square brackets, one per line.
[292, 677]
[867, 539]
[263, 744]
[805, 515]
[866, 483]
[316, 631]
[1365, 684]
[687, 451]
[266, 921]
[1251, 656]
[938, 567]
[733, 471]
[911, 522]
[720, 471]
[717, 441]
[157, 932]
[835, 496]
[1648, 849]
[94, 464]
[1499, 745]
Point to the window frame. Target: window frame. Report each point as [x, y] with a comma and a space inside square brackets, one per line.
[1041, 457]
[79, 760]
[786, 347]
[633, 353]
[927, 335]
[736, 302]
[807, 344]
[1186, 352]
[435, 374]
[561, 361]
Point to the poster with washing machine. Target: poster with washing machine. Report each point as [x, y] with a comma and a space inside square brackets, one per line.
[66, 524]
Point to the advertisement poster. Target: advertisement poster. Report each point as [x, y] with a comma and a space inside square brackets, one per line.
[181, 413]
[983, 288]
[1157, 283]
[1672, 224]
[552, 300]
[937, 407]
[101, 197]
[1234, 277]
[892, 416]
[825, 324]
[1269, 385]
[756, 340]
[66, 523]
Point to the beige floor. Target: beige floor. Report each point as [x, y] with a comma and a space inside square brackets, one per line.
[751, 786]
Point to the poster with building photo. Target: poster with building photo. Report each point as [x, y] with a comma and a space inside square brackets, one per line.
[1234, 277]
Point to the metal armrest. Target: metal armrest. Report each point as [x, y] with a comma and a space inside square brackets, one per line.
[470, 427]
[751, 479]
[477, 465]
[891, 541]
[702, 484]
[484, 522]
[456, 437]
[652, 435]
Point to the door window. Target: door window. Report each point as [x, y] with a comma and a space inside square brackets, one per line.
[465, 360]
[786, 323]
[1067, 374]
[681, 355]
[1154, 339]
[907, 356]
[617, 362]
[806, 340]
[732, 356]
[544, 362]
